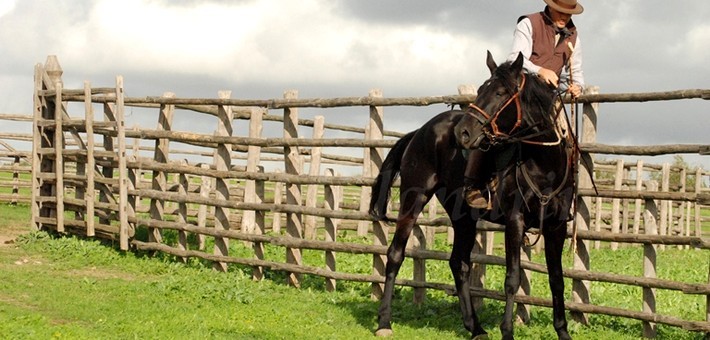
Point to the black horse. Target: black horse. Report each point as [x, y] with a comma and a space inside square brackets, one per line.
[511, 119]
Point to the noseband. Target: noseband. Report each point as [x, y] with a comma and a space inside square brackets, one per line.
[488, 119]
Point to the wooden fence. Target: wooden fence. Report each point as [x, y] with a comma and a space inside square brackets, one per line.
[89, 177]
[15, 158]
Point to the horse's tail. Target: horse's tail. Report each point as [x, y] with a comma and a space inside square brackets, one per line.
[383, 183]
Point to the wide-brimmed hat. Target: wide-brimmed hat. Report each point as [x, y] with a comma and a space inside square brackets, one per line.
[566, 6]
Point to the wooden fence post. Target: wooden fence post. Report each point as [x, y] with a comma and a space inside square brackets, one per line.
[625, 206]
[253, 156]
[205, 188]
[681, 226]
[106, 195]
[252, 221]
[37, 141]
[665, 205]
[122, 167]
[278, 199]
[379, 229]
[133, 182]
[599, 223]
[46, 76]
[183, 188]
[222, 162]
[637, 202]
[365, 191]
[90, 192]
[616, 203]
[649, 261]
[54, 73]
[698, 188]
[333, 197]
[160, 178]
[294, 166]
[81, 165]
[136, 148]
[259, 225]
[59, 157]
[313, 170]
[580, 288]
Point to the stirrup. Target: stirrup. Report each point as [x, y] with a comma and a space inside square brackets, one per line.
[475, 199]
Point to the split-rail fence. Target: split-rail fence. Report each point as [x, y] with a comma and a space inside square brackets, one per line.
[95, 176]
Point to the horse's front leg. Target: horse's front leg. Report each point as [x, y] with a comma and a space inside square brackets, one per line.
[554, 243]
[460, 264]
[513, 241]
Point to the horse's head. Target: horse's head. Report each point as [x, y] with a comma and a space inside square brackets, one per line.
[497, 114]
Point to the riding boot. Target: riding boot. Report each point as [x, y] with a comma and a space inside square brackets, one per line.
[474, 180]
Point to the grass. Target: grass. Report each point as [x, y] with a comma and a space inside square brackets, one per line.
[75, 288]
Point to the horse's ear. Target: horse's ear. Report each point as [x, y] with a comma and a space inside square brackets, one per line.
[517, 65]
[491, 63]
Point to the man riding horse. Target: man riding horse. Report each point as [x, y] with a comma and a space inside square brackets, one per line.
[550, 45]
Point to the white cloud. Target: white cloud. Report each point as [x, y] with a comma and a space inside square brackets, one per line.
[696, 42]
[145, 35]
[6, 6]
[296, 42]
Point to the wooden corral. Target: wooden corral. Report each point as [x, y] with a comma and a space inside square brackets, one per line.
[93, 176]
[14, 159]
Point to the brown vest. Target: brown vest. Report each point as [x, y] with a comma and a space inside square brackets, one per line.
[544, 51]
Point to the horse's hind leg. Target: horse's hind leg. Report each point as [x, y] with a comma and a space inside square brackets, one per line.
[411, 206]
[554, 242]
[460, 263]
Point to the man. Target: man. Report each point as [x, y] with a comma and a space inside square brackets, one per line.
[543, 38]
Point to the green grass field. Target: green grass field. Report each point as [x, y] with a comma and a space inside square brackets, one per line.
[74, 288]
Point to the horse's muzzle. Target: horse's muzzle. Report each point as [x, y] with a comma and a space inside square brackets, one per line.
[468, 140]
[479, 141]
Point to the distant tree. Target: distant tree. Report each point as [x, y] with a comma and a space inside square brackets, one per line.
[599, 174]
[679, 162]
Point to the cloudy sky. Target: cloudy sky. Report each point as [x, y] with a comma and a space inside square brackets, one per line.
[339, 48]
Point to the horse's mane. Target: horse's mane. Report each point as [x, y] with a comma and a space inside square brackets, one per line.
[537, 98]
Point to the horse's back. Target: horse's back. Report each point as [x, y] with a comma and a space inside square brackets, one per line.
[433, 158]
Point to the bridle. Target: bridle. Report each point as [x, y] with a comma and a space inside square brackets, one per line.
[495, 135]
[490, 120]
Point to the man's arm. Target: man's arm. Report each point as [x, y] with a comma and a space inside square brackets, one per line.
[522, 42]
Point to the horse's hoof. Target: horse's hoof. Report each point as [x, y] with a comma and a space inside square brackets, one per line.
[480, 337]
[384, 332]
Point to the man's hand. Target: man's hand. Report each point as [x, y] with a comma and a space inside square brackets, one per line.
[574, 90]
[549, 77]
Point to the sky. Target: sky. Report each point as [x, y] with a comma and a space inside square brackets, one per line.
[339, 48]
